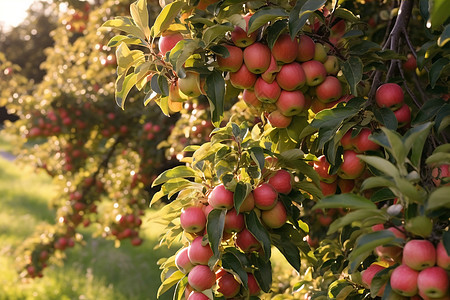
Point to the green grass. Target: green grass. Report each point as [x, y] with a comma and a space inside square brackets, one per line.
[96, 271]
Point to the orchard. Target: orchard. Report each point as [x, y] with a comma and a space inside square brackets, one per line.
[314, 132]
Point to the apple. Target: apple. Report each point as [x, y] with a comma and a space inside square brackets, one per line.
[352, 167]
[234, 222]
[248, 204]
[315, 72]
[199, 254]
[188, 290]
[201, 278]
[391, 252]
[246, 241]
[378, 227]
[271, 73]
[267, 92]
[227, 285]
[411, 63]
[317, 105]
[257, 58]
[404, 281]
[253, 286]
[182, 261]
[278, 120]
[440, 172]
[306, 48]
[389, 95]
[291, 77]
[285, 49]
[221, 198]
[250, 98]
[325, 220]
[322, 166]
[233, 62]
[329, 90]
[346, 185]
[243, 78]
[190, 85]
[193, 219]
[240, 37]
[291, 103]
[281, 181]
[419, 254]
[276, 216]
[265, 196]
[203, 4]
[442, 257]
[368, 275]
[433, 282]
[168, 40]
[320, 54]
[328, 188]
[331, 65]
[207, 209]
[197, 296]
[425, 297]
[362, 142]
[403, 115]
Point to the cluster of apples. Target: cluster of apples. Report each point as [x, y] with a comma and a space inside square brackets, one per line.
[391, 95]
[128, 227]
[422, 274]
[193, 260]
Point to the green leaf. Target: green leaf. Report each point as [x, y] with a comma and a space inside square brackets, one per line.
[263, 273]
[300, 14]
[274, 31]
[445, 36]
[214, 228]
[139, 13]
[408, 190]
[241, 192]
[429, 110]
[381, 164]
[127, 58]
[446, 241]
[386, 117]
[439, 13]
[179, 171]
[118, 39]
[414, 139]
[215, 90]
[439, 198]
[289, 251]
[375, 182]
[259, 232]
[382, 195]
[357, 215]
[264, 15]
[331, 118]
[353, 69]
[380, 279]
[362, 47]
[351, 201]
[123, 87]
[346, 15]
[174, 278]
[125, 24]
[397, 148]
[214, 32]
[180, 289]
[367, 242]
[436, 69]
[166, 17]
[232, 263]
[257, 154]
[438, 158]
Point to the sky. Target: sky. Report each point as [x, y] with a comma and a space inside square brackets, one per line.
[12, 12]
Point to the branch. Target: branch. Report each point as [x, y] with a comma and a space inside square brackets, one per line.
[405, 83]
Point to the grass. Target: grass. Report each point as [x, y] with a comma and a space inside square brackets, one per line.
[96, 271]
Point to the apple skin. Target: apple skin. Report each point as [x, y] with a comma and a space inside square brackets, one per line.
[227, 285]
[201, 278]
[328, 188]
[271, 73]
[419, 254]
[192, 219]
[234, 222]
[253, 286]
[306, 48]
[440, 172]
[362, 142]
[240, 37]
[267, 92]
[346, 185]
[331, 65]
[182, 261]
[321, 166]
[220, 197]
[278, 120]
[352, 167]
[329, 90]
[404, 281]
[281, 181]
[320, 54]
[315, 72]
[291, 77]
[442, 257]
[317, 105]
[393, 253]
[197, 296]
[190, 85]
[433, 282]
[233, 62]
[257, 58]
[368, 275]
[246, 241]
[243, 78]
[403, 115]
[249, 98]
[265, 196]
[248, 204]
[291, 103]
[411, 63]
[285, 49]
[389, 95]
[275, 217]
[199, 254]
[168, 40]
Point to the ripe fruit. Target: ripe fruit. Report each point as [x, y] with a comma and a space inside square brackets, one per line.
[278, 120]
[368, 275]
[291, 103]
[403, 115]
[257, 58]
[390, 252]
[197, 296]
[281, 181]
[248, 204]
[243, 78]
[315, 72]
[389, 95]
[234, 222]
[265, 196]
[442, 257]
[433, 282]
[233, 62]
[220, 198]
[320, 54]
[168, 40]
[267, 92]
[362, 142]
[404, 281]
[411, 63]
[190, 85]
[328, 188]
[253, 287]
[239, 36]
[329, 90]
[246, 241]
[249, 98]
[346, 185]
[182, 261]
[270, 74]
[193, 219]
[199, 254]
[331, 65]
[275, 217]
[201, 278]
[352, 167]
[439, 173]
[306, 48]
[285, 49]
[291, 77]
[419, 254]
[321, 166]
[227, 285]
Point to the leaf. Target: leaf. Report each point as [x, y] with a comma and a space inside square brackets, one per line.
[446, 241]
[174, 278]
[180, 289]
[123, 87]
[397, 148]
[333, 117]
[179, 171]
[139, 13]
[380, 279]
[375, 182]
[408, 190]
[263, 273]
[215, 90]
[289, 251]
[346, 15]
[353, 69]
[274, 31]
[300, 14]
[445, 36]
[381, 164]
[241, 192]
[386, 117]
[436, 69]
[414, 139]
[259, 232]
[439, 13]
[127, 58]
[257, 154]
[362, 47]
[369, 241]
[125, 24]
[118, 39]
[166, 17]
[438, 158]
[231, 262]
[439, 198]
[429, 110]
[351, 201]
[264, 15]
[382, 195]
[358, 215]
[214, 228]
[214, 32]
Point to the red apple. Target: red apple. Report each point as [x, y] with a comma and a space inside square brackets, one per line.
[329, 90]
[234, 222]
[346, 185]
[315, 72]
[182, 261]
[403, 115]
[285, 49]
[240, 37]
[265, 196]
[281, 181]
[291, 103]
[317, 105]
[275, 217]
[331, 65]
[271, 73]
[368, 275]
[267, 92]
[227, 285]
[411, 63]
[322, 166]
[352, 167]
[168, 40]
[389, 95]
[201, 278]
[404, 281]
[246, 241]
[233, 62]
[199, 254]
[306, 48]
[243, 78]
[249, 98]
[419, 254]
[257, 58]
[391, 252]
[442, 257]
[328, 188]
[253, 286]
[278, 120]
[433, 282]
[325, 220]
[193, 219]
[291, 77]
[362, 142]
[197, 296]
[190, 85]
[221, 198]
[248, 204]
[439, 173]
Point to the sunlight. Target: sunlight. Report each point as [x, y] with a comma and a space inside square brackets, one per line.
[12, 13]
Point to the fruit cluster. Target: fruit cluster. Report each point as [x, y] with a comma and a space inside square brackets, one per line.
[127, 227]
[390, 95]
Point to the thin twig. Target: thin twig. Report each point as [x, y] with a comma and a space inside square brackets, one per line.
[405, 84]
